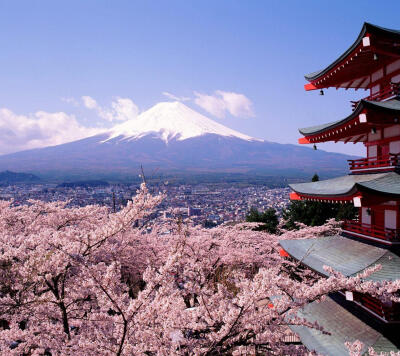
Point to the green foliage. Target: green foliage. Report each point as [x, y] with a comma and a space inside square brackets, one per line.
[268, 218]
[208, 224]
[346, 212]
[315, 213]
[315, 178]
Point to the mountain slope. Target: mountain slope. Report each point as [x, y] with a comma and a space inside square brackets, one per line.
[173, 138]
[172, 120]
[8, 177]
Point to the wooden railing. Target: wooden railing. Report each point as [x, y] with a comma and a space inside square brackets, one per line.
[388, 92]
[392, 235]
[388, 162]
[390, 312]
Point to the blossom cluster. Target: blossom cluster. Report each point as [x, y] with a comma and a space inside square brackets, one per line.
[86, 281]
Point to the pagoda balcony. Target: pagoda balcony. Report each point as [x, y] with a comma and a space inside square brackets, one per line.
[383, 163]
[368, 231]
[389, 312]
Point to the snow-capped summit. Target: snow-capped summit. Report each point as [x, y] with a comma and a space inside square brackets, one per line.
[172, 120]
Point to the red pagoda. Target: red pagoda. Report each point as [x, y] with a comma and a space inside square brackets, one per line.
[372, 185]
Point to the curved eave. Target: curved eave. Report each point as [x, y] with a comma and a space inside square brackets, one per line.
[355, 123]
[346, 188]
[345, 255]
[335, 188]
[342, 198]
[356, 49]
[324, 128]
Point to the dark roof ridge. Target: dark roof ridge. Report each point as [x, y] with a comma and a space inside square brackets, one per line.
[366, 28]
[385, 183]
[389, 105]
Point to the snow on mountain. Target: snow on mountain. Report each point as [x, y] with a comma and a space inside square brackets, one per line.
[172, 120]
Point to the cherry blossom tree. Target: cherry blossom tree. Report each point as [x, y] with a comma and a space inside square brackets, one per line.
[85, 281]
[356, 349]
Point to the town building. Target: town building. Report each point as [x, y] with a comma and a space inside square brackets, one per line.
[372, 185]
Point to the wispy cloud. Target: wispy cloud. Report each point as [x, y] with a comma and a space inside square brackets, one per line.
[89, 102]
[174, 97]
[221, 102]
[121, 109]
[70, 100]
[39, 129]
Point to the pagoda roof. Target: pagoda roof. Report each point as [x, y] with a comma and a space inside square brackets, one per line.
[345, 255]
[342, 326]
[350, 185]
[390, 106]
[353, 68]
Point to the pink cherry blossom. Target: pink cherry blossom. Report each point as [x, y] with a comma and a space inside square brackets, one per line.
[86, 281]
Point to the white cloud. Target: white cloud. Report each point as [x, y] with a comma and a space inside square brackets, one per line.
[174, 97]
[89, 102]
[40, 129]
[211, 104]
[122, 109]
[237, 104]
[222, 102]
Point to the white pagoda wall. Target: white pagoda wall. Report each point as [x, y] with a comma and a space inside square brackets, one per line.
[374, 136]
[388, 132]
[390, 215]
[372, 151]
[390, 219]
[394, 147]
[365, 217]
[391, 131]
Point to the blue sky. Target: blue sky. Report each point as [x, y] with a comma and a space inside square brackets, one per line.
[53, 53]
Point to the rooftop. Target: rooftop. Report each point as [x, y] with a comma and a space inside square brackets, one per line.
[345, 255]
[374, 47]
[355, 128]
[390, 106]
[342, 327]
[347, 186]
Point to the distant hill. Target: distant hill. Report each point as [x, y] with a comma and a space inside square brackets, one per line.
[14, 177]
[172, 139]
[84, 184]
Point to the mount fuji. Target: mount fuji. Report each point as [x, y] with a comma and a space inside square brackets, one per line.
[172, 120]
[172, 138]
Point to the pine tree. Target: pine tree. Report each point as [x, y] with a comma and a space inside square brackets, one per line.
[315, 178]
[268, 218]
